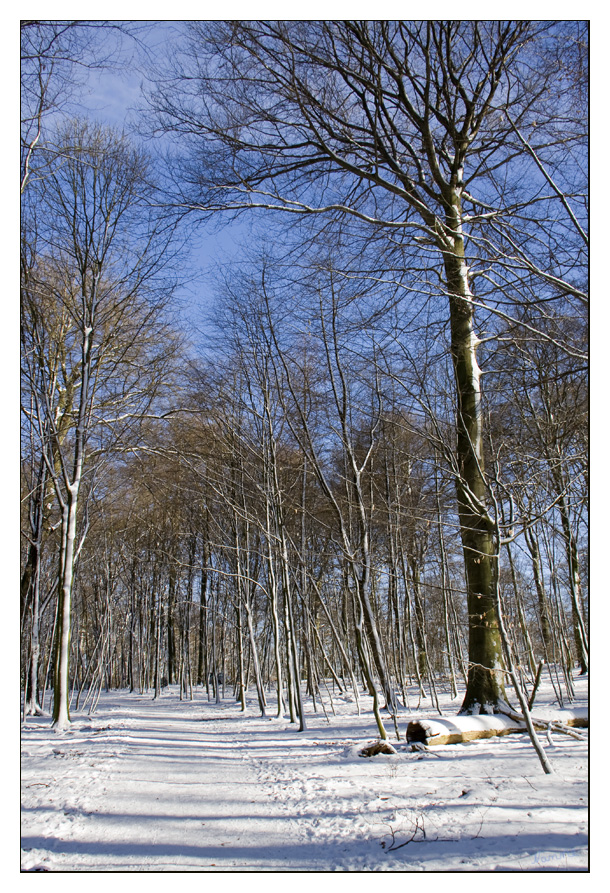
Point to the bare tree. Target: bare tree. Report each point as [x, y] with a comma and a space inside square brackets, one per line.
[56, 57]
[416, 129]
[92, 314]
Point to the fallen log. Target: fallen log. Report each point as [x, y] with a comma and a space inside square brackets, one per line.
[578, 718]
[461, 729]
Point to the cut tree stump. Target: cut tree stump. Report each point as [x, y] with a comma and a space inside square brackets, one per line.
[378, 747]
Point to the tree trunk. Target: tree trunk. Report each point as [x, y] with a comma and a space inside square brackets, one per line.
[420, 628]
[485, 686]
[521, 614]
[545, 626]
[580, 632]
[258, 679]
[61, 711]
[31, 704]
[202, 662]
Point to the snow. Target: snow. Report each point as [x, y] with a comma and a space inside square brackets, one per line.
[172, 785]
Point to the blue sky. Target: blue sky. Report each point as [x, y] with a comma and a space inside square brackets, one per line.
[114, 96]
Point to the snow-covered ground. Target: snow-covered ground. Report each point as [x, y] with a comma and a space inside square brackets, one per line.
[172, 785]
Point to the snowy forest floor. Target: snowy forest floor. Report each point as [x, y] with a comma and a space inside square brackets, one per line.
[171, 785]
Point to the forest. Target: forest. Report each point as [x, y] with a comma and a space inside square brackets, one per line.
[365, 466]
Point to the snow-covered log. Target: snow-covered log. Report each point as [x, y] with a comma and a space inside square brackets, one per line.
[459, 729]
[558, 720]
[577, 717]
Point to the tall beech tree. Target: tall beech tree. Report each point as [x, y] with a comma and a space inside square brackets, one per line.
[95, 279]
[448, 137]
